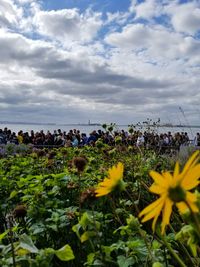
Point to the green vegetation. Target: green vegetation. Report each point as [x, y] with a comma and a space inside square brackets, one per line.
[50, 215]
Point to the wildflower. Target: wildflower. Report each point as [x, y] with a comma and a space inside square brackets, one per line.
[40, 153]
[71, 215]
[88, 195]
[173, 189]
[80, 163]
[72, 185]
[51, 155]
[113, 181]
[20, 211]
[64, 152]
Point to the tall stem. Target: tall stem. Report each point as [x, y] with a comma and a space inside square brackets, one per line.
[176, 257]
[195, 219]
[10, 224]
[131, 198]
[114, 211]
[184, 248]
[140, 231]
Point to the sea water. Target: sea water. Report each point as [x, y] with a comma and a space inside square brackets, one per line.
[86, 128]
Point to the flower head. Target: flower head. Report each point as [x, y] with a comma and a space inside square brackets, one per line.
[20, 211]
[88, 195]
[173, 189]
[80, 163]
[114, 179]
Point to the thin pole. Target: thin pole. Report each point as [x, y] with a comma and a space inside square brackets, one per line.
[181, 110]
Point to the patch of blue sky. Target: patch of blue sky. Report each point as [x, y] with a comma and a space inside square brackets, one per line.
[66, 4]
[98, 5]
[115, 25]
[184, 1]
[32, 35]
[112, 6]
[197, 35]
[140, 1]
[141, 21]
[162, 20]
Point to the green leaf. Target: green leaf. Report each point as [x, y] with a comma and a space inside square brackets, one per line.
[193, 247]
[3, 234]
[65, 253]
[60, 176]
[90, 258]
[54, 227]
[125, 262]
[86, 235]
[85, 220]
[22, 252]
[27, 243]
[13, 194]
[76, 229]
[157, 264]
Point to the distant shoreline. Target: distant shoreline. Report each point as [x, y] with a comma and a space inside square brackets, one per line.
[97, 124]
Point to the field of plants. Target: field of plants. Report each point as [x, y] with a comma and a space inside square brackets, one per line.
[98, 206]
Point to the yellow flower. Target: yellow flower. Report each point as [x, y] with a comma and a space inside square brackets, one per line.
[173, 189]
[114, 179]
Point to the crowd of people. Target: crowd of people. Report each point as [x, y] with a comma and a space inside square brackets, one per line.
[75, 138]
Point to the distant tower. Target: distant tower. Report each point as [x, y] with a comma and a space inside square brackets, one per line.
[89, 122]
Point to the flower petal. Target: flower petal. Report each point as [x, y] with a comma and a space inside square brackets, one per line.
[191, 199]
[166, 214]
[116, 172]
[153, 213]
[102, 192]
[154, 222]
[152, 206]
[182, 207]
[158, 178]
[191, 179]
[168, 178]
[157, 189]
[176, 169]
[191, 162]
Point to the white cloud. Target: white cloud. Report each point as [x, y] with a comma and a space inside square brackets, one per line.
[117, 17]
[156, 42]
[185, 17]
[54, 62]
[10, 13]
[68, 25]
[147, 9]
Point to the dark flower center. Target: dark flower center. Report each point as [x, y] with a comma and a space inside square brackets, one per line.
[177, 194]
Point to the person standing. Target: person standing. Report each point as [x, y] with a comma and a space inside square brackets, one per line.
[197, 140]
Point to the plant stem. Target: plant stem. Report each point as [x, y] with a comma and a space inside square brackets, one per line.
[114, 211]
[145, 186]
[195, 219]
[131, 198]
[184, 248]
[176, 257]
[10, 224]
[140, 231]
[79, 194]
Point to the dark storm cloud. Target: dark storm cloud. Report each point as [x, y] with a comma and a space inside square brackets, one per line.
[16, 48]
[68, 70]
[65, 75]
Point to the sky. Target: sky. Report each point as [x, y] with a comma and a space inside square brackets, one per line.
[120, 61]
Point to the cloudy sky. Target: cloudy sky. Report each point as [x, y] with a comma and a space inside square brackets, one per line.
[122, 61]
